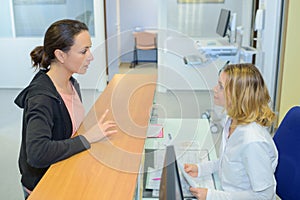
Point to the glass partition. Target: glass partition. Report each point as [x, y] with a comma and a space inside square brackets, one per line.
[32, 17]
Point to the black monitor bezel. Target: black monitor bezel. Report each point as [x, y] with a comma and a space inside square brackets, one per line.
[170, 183]
[223, 22]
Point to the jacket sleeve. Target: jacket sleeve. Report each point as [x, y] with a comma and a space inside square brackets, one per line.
[42, 150]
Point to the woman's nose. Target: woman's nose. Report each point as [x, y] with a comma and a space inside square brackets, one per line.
[91, 57]
[215, 88]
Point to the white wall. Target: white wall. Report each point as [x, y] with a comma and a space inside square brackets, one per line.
[112, 30]
[5, 20]
[16, 71]
[120, 26]
[96, 77]
[136, 13]
[193, 21]
[200, 19]
[267, 58]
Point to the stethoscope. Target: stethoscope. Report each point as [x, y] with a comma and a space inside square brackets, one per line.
[214, 127]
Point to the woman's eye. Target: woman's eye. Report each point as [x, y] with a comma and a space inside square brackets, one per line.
[84, 51]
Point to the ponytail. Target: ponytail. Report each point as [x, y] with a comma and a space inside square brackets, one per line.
[39, 58]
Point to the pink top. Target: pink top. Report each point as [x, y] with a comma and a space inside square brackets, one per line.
[75, 108]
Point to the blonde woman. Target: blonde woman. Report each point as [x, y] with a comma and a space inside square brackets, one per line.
[248, 155]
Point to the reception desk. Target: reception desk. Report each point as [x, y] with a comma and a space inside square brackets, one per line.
[109, 169]
[184, 134]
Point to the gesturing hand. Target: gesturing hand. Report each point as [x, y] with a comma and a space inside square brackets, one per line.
[101, 129]
[106, 125]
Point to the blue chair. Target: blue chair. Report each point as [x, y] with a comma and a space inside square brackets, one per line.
[287, 140]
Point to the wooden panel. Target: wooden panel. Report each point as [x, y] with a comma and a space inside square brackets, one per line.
[109, 169]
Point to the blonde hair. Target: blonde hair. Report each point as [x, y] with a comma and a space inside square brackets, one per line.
[247, 97]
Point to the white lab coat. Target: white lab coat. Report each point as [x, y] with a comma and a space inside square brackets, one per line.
[246, 166]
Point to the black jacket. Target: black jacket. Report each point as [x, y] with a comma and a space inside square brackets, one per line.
[46, 129]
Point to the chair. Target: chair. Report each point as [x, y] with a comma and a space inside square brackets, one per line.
[143, 41]
[287, 140]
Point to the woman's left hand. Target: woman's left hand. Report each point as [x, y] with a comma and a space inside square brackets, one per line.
[200, 193]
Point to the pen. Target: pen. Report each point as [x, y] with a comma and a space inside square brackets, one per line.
[170, 136]
[156, 179]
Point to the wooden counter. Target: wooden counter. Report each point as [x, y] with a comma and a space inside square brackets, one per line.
[110, 168]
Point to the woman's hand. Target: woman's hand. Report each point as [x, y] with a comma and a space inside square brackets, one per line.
[200, 193]
[101, 129]
[191, 169]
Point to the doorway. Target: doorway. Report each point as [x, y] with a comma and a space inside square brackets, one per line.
[121, 19]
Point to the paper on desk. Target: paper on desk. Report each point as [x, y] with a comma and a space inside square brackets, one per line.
[155, 131]
[153, 178]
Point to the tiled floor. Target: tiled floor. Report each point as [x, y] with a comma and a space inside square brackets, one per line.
[172, 104]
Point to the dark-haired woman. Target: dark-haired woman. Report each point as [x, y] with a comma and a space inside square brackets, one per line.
[51, 103]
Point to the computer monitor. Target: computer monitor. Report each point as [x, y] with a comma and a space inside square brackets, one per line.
[223, 22]
[170, 184]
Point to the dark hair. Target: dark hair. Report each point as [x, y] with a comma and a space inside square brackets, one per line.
[60, 35]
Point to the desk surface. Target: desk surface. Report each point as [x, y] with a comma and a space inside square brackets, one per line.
[110, 168]
[185, 134]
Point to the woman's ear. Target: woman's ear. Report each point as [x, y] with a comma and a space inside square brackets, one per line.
[60, 55]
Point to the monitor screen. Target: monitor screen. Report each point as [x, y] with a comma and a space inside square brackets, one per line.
[223, 22]
[170, 185]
